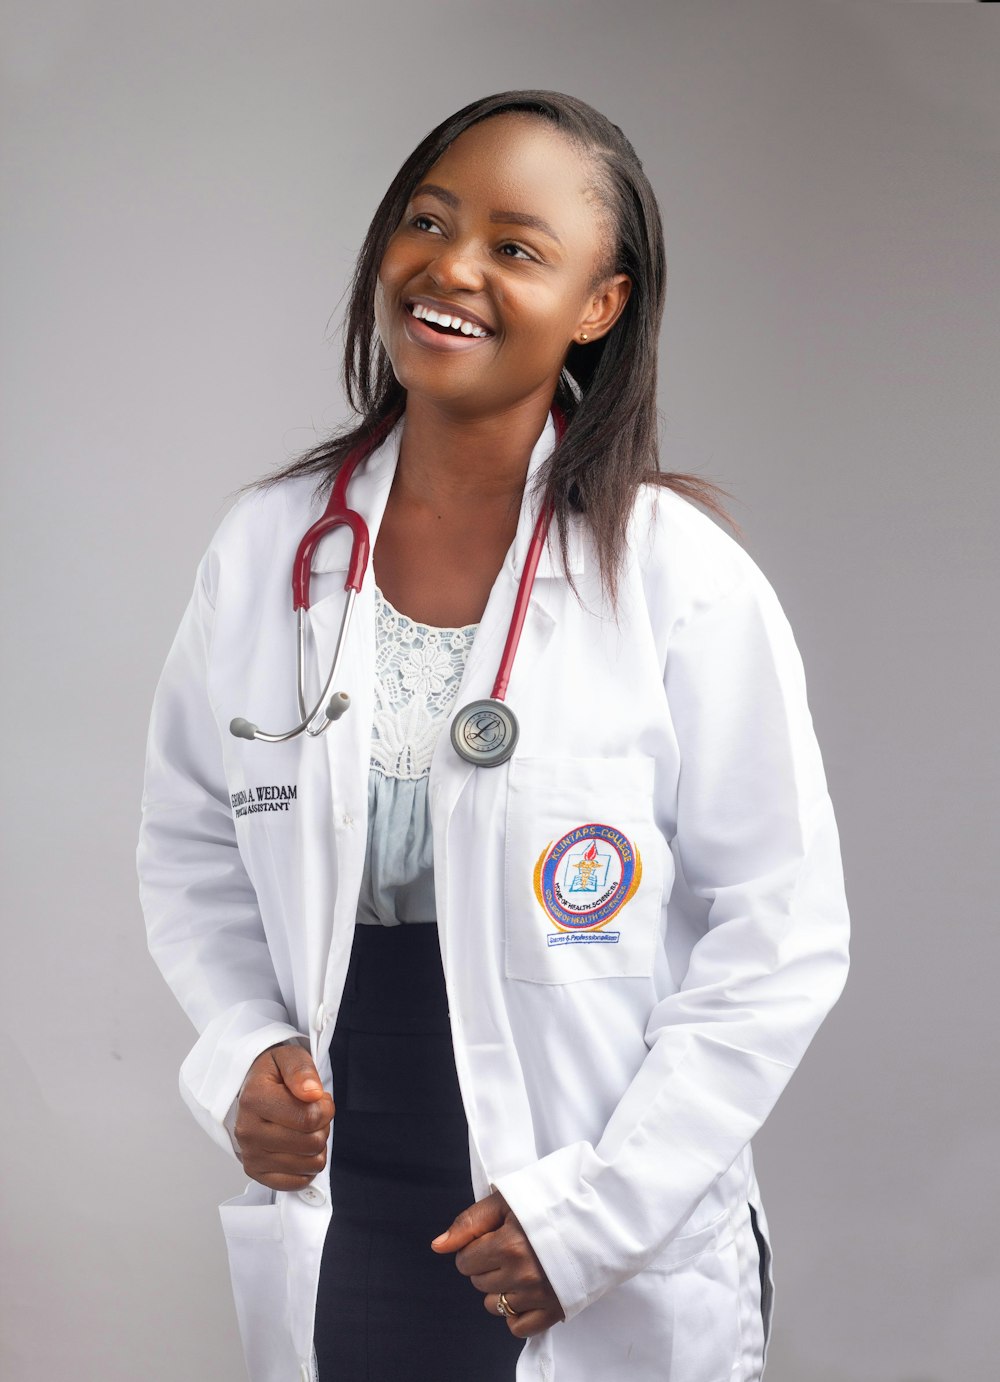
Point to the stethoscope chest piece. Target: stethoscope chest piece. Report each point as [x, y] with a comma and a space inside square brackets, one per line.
[484, 733]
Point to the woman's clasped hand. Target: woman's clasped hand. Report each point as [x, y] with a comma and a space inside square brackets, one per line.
[492, 1250]
[283, 1119]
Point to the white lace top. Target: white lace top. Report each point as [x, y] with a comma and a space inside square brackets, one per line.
[418, 669]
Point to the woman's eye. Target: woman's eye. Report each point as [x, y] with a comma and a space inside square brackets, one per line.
[520, 249]
[430, 223]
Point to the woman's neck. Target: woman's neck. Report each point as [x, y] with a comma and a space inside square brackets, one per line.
[453, 509]
[449, 462]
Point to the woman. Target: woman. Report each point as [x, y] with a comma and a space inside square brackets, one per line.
[491, 1038]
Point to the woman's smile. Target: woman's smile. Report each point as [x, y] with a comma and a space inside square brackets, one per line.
[429, 329]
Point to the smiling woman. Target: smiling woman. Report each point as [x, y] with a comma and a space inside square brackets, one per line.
[491, 1032]
[563, 207]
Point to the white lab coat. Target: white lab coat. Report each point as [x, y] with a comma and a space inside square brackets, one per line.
[611, 1087]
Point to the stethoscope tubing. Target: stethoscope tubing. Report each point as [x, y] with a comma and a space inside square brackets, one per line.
[331, 707]
[334, 705]
[336, 515]
[527, 581]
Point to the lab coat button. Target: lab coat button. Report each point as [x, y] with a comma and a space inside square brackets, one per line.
[348, 819]
[312, 1195]
[319, 1021]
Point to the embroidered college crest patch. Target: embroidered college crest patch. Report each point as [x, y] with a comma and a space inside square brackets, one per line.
[584, 880]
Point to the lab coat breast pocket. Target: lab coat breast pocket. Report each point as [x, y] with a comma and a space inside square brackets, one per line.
[583, 869]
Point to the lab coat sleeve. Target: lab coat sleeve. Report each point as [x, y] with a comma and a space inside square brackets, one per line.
[202, 919]
[757, 840]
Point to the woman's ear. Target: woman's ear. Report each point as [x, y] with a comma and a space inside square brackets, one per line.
[604, 309]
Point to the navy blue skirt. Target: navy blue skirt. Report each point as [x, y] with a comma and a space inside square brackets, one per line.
[389, 1308]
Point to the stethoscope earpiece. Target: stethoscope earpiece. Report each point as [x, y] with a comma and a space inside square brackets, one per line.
[338, 704]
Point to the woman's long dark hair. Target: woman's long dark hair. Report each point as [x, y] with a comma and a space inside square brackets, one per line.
[610, 446]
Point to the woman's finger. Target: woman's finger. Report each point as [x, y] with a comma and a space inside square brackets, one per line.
[275, 1181]
[298, 1071]
[492, 1302]
[272, 1137]
[533, 1322]
[486, 1254]
[531, 1289]
[524, 1322]
[273, 1103]
[480, 1218]
[488, 1282]
[261, 1166]
[522, 1302]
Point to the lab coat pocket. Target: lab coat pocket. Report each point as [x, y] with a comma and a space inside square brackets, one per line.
[686, 1247]
[677, 1320]
[258, 1266]
[696, 1284]
[583, 869]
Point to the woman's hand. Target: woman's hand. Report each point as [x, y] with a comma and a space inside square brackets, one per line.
[491, 1249]
[283, 1119]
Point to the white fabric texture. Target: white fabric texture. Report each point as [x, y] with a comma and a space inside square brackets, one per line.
[418, 670]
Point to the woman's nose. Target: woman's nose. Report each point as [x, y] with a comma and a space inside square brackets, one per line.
[457, 265]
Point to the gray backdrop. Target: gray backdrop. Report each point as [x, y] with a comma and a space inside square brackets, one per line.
[185, 189]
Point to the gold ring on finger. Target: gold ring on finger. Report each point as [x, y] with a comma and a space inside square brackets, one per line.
[505, 1308]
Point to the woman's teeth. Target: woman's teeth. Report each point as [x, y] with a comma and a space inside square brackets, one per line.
[445, 322]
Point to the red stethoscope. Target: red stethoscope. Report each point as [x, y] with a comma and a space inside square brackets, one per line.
[485, 732]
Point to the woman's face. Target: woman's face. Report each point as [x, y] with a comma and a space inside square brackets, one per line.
[503, 232]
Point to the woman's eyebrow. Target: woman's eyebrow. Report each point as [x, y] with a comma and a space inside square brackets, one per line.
[518, 218]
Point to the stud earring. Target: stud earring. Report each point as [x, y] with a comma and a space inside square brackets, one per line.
[583, 335]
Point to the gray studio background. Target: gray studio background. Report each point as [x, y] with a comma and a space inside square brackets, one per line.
[185, 188]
